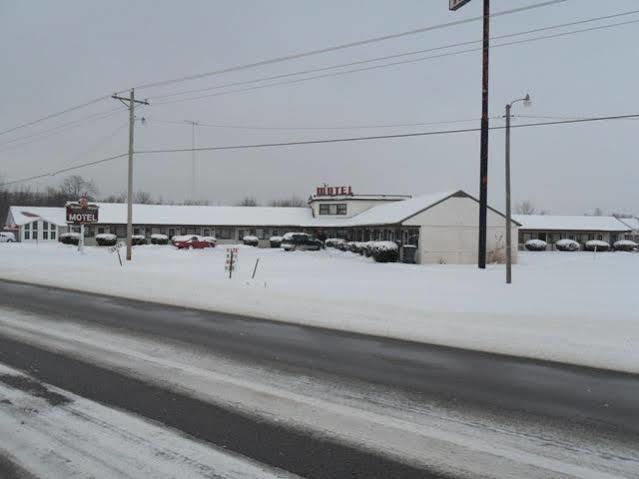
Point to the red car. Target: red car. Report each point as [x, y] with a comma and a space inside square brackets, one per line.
[188, 242]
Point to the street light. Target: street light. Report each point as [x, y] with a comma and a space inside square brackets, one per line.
[527, 102]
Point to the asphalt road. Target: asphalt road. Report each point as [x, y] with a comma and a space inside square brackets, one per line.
[583, 397]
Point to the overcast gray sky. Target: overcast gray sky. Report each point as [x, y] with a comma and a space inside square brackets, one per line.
[59, 54]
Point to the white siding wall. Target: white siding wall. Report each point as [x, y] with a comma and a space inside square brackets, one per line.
[449, 233]
[353, 207]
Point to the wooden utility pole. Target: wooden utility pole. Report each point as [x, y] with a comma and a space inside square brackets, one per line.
[129, 219]
[193, 183]
[483, 153]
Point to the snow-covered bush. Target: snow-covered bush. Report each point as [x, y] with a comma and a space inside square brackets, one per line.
[625, 245]
[275, 241]
[106, 239]
[385, 251]
[354, 246]
[596, 245]
[250, 240]
[69, 238]
[138, 239]
[535, 245]
[158, 238]
[333, 242]
[567, 245]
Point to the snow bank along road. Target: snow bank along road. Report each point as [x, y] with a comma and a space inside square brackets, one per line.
[576, 308]
[266, 399]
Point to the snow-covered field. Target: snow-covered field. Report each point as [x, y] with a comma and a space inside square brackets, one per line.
[578, 308]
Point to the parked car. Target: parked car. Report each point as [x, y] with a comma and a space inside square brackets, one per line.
[190, 242]
[625, 245]
[211, 239]
[567, 245]
[535, 245]
[69, 238]
[106, 239]
[300, 241]
[138, 239]
[597, 245]
[275, 241]
[158, 238]
[7, 237]
[250, 240]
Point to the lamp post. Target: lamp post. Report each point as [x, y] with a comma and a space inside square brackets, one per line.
[527, 102]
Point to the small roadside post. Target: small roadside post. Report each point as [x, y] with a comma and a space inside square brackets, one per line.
[255, 268]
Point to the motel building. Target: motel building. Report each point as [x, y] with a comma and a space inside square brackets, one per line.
[433, 228]
[551, 228]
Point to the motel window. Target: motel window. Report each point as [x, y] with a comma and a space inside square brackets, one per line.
[27, 227]
[600, 237]
[45, 235]
[171, 232]
[53, 234]
[27, 235]
[136, 231]
[332, 209]
[224, 233]
[45, 225]
[35, 226]
[183, 231]
[100, 231]
[207, 232]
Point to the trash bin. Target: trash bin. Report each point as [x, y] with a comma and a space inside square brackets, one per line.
[408, 253]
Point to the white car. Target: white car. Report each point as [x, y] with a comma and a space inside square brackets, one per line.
[6, 237]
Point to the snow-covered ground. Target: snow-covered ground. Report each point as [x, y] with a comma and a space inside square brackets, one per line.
[580, 308]
[462, 443]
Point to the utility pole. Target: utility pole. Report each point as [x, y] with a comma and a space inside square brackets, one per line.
[483, 149]
[509, 258]
[129, 220]
[193, 125]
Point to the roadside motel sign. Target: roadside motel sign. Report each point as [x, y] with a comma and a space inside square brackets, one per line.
[455, 4]
[81, 212]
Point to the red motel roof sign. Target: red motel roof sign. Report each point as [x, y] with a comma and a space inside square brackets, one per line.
[455, 4]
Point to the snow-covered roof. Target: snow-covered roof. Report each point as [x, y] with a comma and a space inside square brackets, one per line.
[570, 223]
[398, 211]
[633, 223]
[22, 215]
[115, 213]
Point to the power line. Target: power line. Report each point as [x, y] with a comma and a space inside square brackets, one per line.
[43, 134]
[386, 65]
[63, 170]
[312, 142]
[383, 137]
[399, 55]
[54, 115]
[349, 127]
[341, 47]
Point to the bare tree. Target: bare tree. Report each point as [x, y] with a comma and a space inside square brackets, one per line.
[143, 198]
[196, 202]
[75, 186]
[525, 208]
[597, 212]
[121, 198]
[248, 201]
[293, 201]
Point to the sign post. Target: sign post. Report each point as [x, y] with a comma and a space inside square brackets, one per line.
[231, 260]
[81, 212]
